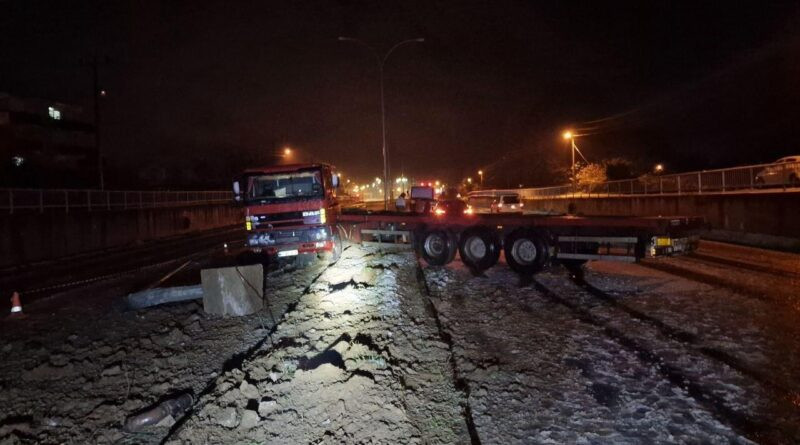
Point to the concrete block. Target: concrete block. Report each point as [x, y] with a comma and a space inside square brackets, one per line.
[233, 290]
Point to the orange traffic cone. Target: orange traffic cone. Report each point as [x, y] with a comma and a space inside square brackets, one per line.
[16, 307]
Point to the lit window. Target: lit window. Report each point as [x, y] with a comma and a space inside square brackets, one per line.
[54, 113]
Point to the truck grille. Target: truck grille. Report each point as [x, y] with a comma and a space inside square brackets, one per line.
[279, 216]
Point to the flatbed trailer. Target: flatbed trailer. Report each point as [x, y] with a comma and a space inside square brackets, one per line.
[528, 241]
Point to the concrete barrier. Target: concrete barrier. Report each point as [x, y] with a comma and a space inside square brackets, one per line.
[761, 218]
[34, 236]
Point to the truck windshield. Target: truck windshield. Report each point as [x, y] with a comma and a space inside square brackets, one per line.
[511, 199]
[285, 186]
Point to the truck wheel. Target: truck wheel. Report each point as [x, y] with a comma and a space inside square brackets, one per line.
[479, 248]
[336, 253]
[525, 251]
[437, 247]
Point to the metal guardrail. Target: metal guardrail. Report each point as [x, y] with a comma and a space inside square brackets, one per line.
[16, 200]
[762, 177]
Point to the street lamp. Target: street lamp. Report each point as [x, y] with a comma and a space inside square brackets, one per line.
[570, 137]
[287, 151]
[659, 168]
[480, 173]
[381, 62]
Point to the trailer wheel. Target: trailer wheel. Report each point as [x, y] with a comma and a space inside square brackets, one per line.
[437, 247]
[525, 251]
[479, 248]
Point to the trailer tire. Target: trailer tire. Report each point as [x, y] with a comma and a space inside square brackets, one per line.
[525, 251]
[479, 248]
[437, 247]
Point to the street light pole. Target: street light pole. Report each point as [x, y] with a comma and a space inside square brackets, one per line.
[571, 137]
[381, 62]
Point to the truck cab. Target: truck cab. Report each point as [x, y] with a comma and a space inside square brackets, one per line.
[290, 210]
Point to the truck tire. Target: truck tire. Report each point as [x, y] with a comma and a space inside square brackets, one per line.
[479, 248]
[336, 253]
[525, 251]
[437, 247]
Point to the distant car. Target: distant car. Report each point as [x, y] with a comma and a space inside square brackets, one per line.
[507, 204]
[785, 171]
[450, 207]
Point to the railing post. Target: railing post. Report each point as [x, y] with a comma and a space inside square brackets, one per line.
[660, 185]
[108, 200]
[752, 179]
[645, 187]
[66, 201]
[631, 183]
[41, 201]
[89, 200]
[140, 199]
[699, 182]
[124, 200]
[723, 180]
[10, 202]
[679, 184]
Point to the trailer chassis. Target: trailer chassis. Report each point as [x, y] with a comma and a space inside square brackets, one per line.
[528, 242]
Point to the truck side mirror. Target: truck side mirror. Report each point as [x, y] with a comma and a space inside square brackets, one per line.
[335, 181]
[237, 193]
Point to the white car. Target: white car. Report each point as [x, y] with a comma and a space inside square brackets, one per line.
[785, 171]
[507, 204]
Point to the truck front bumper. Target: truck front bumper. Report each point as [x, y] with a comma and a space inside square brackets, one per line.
[291, 242]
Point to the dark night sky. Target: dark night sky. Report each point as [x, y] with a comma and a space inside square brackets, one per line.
[691, 84]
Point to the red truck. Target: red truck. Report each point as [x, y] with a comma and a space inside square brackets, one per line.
[293, 210]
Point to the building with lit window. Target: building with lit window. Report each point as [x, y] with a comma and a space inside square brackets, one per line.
[45, 143]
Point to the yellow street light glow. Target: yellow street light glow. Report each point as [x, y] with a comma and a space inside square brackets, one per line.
[480, 172]
[567, 135]
[437, 183]
[287, 151]
[659, 167]
[469, 180]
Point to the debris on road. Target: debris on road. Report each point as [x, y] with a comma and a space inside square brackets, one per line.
[174, 408]
[161, 295]
[359, 360]
[373, 349]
